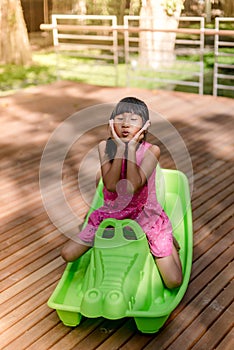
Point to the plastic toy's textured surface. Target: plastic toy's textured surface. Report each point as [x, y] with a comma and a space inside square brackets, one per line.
[118, 276]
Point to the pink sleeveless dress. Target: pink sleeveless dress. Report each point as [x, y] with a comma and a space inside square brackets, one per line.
[142, 207]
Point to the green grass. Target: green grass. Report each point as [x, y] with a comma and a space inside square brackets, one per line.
[152, 79]
[43, 71]
[13, 77]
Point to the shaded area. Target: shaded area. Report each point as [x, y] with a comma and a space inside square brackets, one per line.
[30, 244]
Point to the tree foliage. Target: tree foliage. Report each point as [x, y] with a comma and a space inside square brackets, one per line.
[133, 7]
[98, 7]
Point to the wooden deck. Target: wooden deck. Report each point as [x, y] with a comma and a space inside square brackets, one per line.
[30, 263]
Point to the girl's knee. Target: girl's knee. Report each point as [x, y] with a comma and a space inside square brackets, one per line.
[72, 251]
[170, 271]
[66, 254]
[174, 281]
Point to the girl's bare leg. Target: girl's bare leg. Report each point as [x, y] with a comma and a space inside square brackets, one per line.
[170, 269]
[72, 250]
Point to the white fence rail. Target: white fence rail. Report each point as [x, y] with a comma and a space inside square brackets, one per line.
[178, 72]
[223, 48]
[91, 37]
[100, 38]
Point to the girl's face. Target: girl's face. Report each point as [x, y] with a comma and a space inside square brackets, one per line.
[126, 125]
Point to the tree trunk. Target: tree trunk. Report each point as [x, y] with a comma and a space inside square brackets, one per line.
[229, 8]
[208, 10]
[14, 43]
[157, 48]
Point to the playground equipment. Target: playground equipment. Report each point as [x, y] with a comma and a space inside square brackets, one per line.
[118, 277]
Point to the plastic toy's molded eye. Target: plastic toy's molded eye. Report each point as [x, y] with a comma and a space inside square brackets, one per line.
[108, 232]
[129, 233]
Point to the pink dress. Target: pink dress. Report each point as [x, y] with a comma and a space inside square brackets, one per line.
[142, 207]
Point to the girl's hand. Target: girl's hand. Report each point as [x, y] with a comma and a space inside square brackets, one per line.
[139, 135]
[116, 138]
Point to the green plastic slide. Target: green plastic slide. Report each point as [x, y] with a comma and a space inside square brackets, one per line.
[118, 277]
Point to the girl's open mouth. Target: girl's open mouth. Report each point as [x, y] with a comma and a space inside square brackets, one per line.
[125, 133]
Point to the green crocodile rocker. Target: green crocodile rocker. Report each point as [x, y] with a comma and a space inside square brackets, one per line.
[118, 277]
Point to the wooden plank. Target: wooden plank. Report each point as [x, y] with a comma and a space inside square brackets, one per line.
[204, 174]
[203, 232]
[228, 342]
[23, 325]
[31, 202]
[121, 336]
[189, 314]
[212, 239]
[51, 337]
[36, 331]
[137, 342]
[224, 197]
[25, 309]
[217, 331]
[209, 256]
[194, 302]
[207, 275]
[26, 242]
[26, 295]
[29, 264]
[99, 335]
[27, 281]
[65, 336]
[25, 228]
[204, 320]
[215, 184]
[79, 334]
[21, 252]
[15, 224]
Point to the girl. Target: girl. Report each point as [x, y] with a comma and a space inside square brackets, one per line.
[128, 165]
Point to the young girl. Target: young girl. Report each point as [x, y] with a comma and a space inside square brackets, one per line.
[128, 165]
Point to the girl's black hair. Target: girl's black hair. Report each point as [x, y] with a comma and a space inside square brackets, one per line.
[131, 105]
[126, 105]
